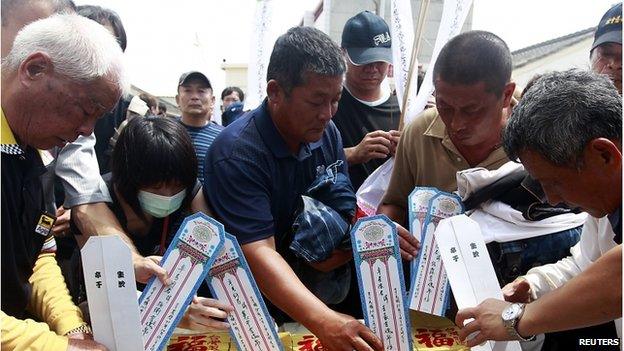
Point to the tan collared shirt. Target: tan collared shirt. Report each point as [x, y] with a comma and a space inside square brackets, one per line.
[426, 156]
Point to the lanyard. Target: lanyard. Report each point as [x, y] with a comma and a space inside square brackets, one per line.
[163, 237]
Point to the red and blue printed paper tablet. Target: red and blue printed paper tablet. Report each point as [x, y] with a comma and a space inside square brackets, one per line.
[187, 260]
[379, 270]
[429, 288]
[231, 281]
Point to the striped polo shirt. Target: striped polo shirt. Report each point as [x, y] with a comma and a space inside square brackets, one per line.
[202, 139]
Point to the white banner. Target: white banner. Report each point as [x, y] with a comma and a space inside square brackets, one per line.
[454, 15]
[259, 54]
[402, 31]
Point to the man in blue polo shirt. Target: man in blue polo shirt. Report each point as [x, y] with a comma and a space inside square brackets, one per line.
[259, 166]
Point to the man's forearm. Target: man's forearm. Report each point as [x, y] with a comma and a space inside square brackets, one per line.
[337, 259]
[98, 219]
[592, 297]
[18, 334]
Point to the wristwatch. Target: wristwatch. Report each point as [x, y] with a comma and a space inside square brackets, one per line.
[511, 316]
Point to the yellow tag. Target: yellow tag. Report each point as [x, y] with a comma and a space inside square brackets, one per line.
[46, 222]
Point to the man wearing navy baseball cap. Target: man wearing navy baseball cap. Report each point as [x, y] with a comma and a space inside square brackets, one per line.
[606, 51]
[366, 38]
[368, 113]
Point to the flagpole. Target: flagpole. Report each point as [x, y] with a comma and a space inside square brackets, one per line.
[424, 7]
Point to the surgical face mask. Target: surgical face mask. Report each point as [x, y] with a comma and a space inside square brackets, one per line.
[160, 206]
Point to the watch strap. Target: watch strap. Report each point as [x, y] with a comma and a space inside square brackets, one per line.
[512, 326]
[84, 329]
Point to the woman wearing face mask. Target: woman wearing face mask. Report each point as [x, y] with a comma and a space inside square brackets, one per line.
[153, 183]
[154, 186]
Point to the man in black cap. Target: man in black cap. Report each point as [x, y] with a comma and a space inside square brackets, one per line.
[606, 51]
[196, 102]
[368, 113]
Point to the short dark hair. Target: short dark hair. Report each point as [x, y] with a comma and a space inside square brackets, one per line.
[562, 112]
[58, 6]
[149, 151]
[229, 90]
[303, 50]
[101, 15]
[530, 83]
[162, 107]
[473, 57]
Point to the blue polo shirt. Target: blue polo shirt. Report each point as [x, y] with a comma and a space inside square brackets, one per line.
[253, 182]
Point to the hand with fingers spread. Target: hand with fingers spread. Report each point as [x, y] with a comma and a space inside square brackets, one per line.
[487, 323]
[202, 315]
[344, 333]
[146, 267]
[377, 144]
[408, 243]
[517, 291]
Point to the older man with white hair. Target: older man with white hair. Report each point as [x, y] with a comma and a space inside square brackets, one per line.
[61, 74]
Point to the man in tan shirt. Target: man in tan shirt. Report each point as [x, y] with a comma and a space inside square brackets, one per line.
[472, 89]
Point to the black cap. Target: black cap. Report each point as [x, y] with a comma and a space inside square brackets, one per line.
[366, 38]
[185, 77]
[609, 28]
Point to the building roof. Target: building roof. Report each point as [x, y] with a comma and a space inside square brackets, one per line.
[537, 51]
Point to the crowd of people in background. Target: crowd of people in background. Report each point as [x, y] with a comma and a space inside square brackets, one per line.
[79, 151]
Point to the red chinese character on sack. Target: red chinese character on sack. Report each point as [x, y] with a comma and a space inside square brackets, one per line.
[310, 343]
[213, 342]
[189, 343]
[433, 338]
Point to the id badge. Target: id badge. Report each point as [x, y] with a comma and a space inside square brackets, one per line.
[45, 224]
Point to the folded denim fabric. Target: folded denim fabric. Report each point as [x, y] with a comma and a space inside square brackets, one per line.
[334, 189]
[318, 230]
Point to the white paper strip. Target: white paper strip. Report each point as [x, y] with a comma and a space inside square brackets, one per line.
[454, 15]
[370, 193]
[469, 269]
[429, 289]
[260, 51]
[402, 31]
[111, 292]
[232, 282]
[380, 278]
[187, 260]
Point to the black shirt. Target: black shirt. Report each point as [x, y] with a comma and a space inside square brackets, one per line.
[104, 131]
[355, 119]
[22, 206]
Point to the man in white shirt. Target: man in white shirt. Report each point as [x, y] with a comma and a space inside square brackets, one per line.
[574, 150]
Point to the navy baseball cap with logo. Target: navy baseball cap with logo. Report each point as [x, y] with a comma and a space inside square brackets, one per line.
[609, 28]
[185, 77]
[366, 38]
